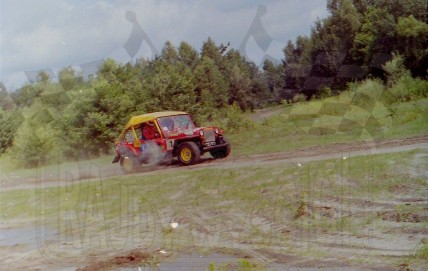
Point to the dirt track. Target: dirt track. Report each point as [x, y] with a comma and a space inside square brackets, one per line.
[397, 241]
[313, 153]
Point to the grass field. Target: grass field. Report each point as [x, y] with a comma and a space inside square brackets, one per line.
[367, 211]
[332, 120]
[288, 209]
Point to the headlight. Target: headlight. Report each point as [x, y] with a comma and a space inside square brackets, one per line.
[201, 133]
[216, 130]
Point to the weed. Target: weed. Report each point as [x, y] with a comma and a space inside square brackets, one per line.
[244, 265]
[211, 267]
[299, 98]
[421, 251]
[303, 210]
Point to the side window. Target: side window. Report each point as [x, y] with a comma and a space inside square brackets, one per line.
[129, 136]
[167, 124]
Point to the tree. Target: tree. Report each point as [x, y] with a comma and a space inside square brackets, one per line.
[332, 40]
[389, 27]
[273, 76]
[73, 125]
[9, 124]
[376, 36]
[69, 79]
[345, 22]
[187, 55]
[26, 95]
[412, 42]
[239, 89]
[211, 86]
[400, 8]
[260, 89]
[36, 144]
[211, 50]
[404, 8]
[6, 101]
[297, 65]
[395, 69]
[169, 53]
[98, 111]
[170, 88]
[44, 77]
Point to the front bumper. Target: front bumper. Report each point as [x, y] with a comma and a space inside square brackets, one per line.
[220, 146]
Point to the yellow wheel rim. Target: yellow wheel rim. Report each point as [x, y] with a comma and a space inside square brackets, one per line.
[186, 155]
[127, 164]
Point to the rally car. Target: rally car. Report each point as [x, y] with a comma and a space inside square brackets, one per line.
[160, 137]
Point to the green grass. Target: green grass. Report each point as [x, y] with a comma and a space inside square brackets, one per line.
[87, 168]
[217, 207]
[421, 251]
[249, 190]
[333, 120]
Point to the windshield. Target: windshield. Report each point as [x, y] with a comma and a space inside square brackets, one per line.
[176, 123]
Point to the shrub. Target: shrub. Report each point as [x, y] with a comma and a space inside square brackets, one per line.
[244, 265]
[395, 69]
[367, 93]
[407, 89]
[299, 98]
[235, 120]
[324, 93]
[35, 145]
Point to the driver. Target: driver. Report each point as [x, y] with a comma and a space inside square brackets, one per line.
[148, 131]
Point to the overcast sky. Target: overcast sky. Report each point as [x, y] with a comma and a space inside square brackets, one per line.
[52, 34]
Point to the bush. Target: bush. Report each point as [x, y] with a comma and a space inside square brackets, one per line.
[367, 93]
[324, 93]
[235, 120]
[395, 69]
[9, 124]
[299, 98]
[35, 145]
[407, 89]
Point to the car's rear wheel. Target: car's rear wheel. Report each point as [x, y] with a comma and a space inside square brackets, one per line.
[188, 153]
[222, 152]
[129, 163]
[166, 159]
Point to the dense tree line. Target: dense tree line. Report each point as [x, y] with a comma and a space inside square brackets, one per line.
[354, 42]
[77, 117]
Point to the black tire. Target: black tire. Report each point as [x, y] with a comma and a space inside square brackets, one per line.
[222, 152]
[188, 153]
[166, 159]
[129, 163]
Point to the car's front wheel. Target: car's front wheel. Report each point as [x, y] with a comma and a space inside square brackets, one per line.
[129, 163]
[222, 152]
[188, 153]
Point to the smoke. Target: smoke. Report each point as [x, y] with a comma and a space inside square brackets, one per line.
[155, 155]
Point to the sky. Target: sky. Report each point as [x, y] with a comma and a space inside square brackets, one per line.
[52, 34]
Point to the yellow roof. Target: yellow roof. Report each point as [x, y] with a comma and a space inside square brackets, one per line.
[151, 116]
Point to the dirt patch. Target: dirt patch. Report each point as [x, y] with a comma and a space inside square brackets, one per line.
[304, 210]
[280, 258]
[404, 217]
[262, 114]
[95, 172]
[128, 259]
